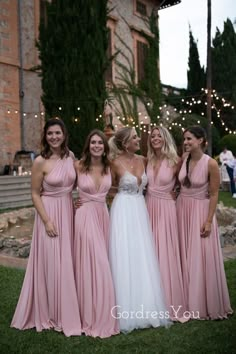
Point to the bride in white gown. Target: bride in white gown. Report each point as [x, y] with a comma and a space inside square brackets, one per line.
[134, 266]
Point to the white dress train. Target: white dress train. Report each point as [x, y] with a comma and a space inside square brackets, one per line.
[139, 295]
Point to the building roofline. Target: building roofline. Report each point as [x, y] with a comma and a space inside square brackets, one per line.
[167, 3]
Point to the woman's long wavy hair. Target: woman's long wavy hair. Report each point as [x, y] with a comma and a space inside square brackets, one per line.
[199, 133]
[119, 140]
[46, 151]
[85, 161]
[168, 149]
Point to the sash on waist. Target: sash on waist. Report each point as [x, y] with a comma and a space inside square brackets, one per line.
[159, 194]
[201, 195]
[86, 197]
[57, 192]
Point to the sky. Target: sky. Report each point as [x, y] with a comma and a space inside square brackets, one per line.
[174, 35]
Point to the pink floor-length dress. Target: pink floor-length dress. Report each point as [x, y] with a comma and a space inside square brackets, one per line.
[48, 297]
[92, 270]
[202, 263]
[162, 211]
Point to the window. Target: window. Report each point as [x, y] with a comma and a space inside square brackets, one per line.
[141, 8]
[141, 55]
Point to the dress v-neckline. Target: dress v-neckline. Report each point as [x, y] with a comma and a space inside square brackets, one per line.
[137, 178]
[97, 188]
[156, 173]
[191, 172]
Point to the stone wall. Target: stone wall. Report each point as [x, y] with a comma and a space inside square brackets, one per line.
[20, 247]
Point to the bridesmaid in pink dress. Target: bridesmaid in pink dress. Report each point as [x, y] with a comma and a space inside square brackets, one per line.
[92, 270]
[201, 256]
[162, 168]
[48, 296]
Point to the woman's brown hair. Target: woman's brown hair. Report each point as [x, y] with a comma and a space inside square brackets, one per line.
[86, 156]
[199, 133]
[46, 151]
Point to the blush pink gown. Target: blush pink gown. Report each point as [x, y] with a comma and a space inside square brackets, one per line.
[203, 269]
[92, 270]
[48, 297]
[162, 211]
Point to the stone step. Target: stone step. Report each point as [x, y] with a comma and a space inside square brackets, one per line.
[9, 198]
[11, 180]
[14, 192]
[15, 204]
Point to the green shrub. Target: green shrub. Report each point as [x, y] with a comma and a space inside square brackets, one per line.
[228, 141]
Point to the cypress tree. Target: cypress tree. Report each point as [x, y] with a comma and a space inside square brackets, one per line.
[72, 49]
[196, 73]
[224, 72]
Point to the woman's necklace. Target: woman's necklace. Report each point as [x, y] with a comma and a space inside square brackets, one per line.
[131, 161]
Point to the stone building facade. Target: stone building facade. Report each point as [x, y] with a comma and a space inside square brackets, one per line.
[20, 87]
[21, 110]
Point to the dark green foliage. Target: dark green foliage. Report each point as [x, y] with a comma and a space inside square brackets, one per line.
[228, 141]
[224, 70]
[72, 46]
[196, 73]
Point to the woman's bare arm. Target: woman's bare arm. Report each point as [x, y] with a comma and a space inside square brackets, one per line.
[37, 177]
[214, 184]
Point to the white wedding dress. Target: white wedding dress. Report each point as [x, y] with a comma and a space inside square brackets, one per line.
[139, 296]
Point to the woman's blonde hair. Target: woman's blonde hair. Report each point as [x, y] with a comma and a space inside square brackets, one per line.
[119, 140]
[168, 149]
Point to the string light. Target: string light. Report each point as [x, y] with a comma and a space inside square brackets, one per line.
[190, 101]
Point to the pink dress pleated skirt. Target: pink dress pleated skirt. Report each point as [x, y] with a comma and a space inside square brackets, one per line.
[94, 283]
[162, 211]
[48, 296]
[204, 278]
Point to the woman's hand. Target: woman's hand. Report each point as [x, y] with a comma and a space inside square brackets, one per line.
[206, 229]
[51, 229]
[78, 203]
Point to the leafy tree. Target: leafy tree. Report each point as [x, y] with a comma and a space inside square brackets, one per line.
[72, 49]
[193, 119]
[228, 141]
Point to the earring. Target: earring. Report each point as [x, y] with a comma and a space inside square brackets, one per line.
[104, 154]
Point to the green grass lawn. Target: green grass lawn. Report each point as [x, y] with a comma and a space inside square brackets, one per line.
[227, 199]
[193, 337]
